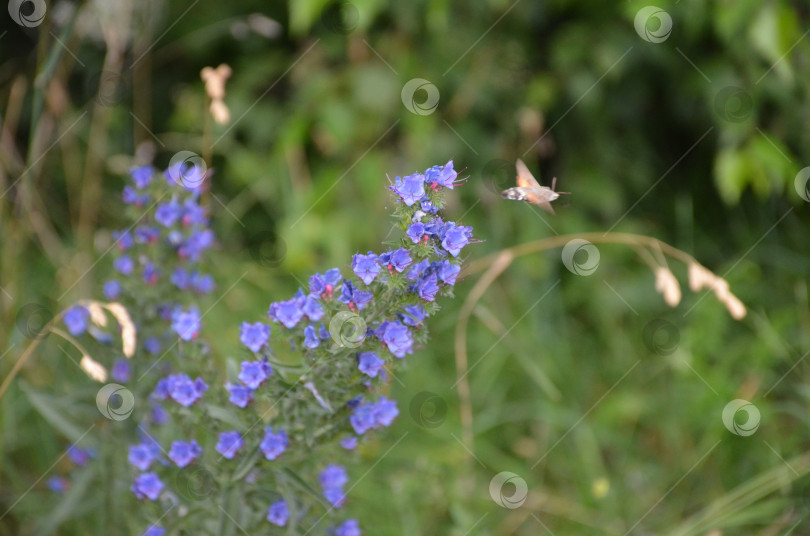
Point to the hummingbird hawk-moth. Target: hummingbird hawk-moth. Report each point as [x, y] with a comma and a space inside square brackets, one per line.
[529, 190]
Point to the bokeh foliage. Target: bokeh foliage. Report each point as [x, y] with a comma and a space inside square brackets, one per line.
[695, 140]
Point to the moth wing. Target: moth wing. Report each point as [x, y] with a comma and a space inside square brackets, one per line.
[539, 200]
[525, 179]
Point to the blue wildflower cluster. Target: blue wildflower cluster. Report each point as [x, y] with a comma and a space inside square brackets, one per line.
[311, 376]
[158, 258]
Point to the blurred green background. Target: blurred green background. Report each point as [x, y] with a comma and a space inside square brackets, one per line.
[696, 139]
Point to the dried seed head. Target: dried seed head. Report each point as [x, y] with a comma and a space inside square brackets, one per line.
[128, 331]
[96, 313]
[667, 285]
[93, 368]
[220, 112]
[700, 277]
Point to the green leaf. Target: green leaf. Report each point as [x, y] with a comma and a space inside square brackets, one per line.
[51, 408]
[292, 477]
[730, 174]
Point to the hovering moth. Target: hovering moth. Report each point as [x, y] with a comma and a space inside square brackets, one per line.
[529, 190]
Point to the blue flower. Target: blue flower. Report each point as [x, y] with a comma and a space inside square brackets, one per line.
[121, 371]
[323, 285]
[147, 486]
[354, 297]
[349, 443]
[350, 527]
[141, 176]
[195, 244]
[80, 456]
[240, 395]
[180, 278]
[255, 335]
[76, 320]
[159, 415]
[429, 207]
[229, 444]
[150, 274]
[141, 456]
[124, 265]
[187, 175]
[441, 176]
[400, 259]
[193, 214]
[335, 496]
[146, 235]
[289, 312]
[254, 373]
[333, 476]
[312, 308]
[123, 239]
[152, 345]
[416, 231]
[167, 214]
[385, 411]
[373, 415]
[410, 188]
[428, 287]
[183, 453]
[154, 530]
[366, 267]
[369, 363]
[455, 238]
[202, 283]
[58, 484]
[274, 443]
[112, 289]
[448, 272]
[413, 315]
[186, 323]
[362, 419]
[131, 197]
[397, 338]
[418, 269]
[278, 513]
[310, 337]
[181, 389]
